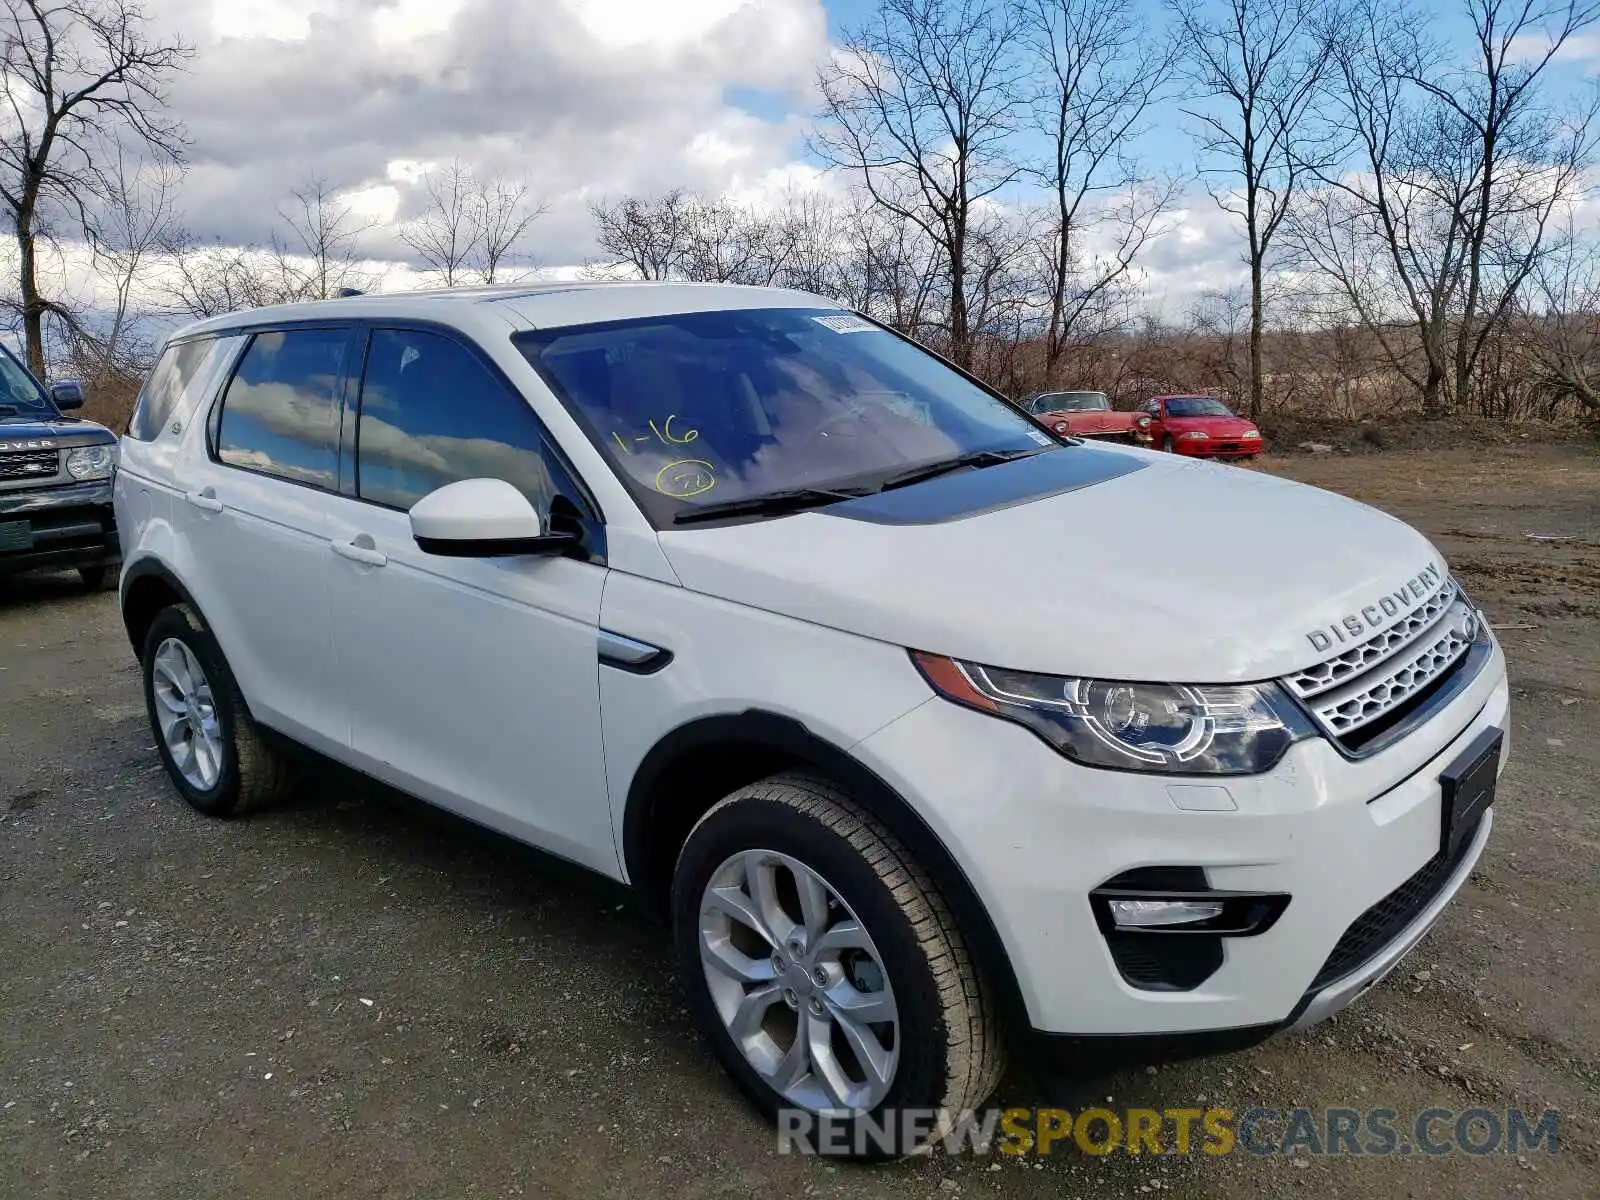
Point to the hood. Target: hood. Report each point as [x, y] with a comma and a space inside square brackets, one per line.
[1180, 571]
[1215, 426]
[62, 431]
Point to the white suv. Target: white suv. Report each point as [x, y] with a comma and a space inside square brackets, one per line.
[932, 732]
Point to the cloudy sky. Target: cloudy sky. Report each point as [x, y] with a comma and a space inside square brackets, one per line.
[583, 99]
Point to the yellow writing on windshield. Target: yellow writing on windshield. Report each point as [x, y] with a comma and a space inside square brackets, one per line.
[685, 478]
[660, 431]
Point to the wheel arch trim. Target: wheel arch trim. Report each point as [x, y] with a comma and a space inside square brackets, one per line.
[790, 738]
[144, 568]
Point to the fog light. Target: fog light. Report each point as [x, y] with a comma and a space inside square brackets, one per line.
[1143, 914]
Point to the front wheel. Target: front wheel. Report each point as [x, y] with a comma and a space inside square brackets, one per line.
[825, 969]
[1166, 444]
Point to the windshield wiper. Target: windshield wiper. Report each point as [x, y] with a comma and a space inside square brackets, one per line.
[978, 458]
[789, 500]
[796, 499]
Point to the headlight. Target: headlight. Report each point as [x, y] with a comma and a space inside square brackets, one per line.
[1172, 729]
[1196, 436]
[91, 462]
[1251, 433]
[1143, 422]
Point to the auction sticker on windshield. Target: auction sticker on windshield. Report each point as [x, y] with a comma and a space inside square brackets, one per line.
[845, 323]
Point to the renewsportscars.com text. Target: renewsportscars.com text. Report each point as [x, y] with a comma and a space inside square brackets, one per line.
[1368, 1132]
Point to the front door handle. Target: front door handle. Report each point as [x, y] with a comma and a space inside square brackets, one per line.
[205, 500]
[361, 550]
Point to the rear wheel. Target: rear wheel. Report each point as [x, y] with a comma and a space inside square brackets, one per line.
[215, 754]
[825, 970]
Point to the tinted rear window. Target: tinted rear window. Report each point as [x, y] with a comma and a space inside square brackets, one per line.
[184, 374]
[280, 415]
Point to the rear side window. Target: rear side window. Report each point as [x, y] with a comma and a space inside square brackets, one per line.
[183, 375]
[280, 414]
[432, 414]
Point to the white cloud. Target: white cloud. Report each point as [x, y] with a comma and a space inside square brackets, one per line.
[630, 23]
[581, 99]
[285, 20]
[1534, 46]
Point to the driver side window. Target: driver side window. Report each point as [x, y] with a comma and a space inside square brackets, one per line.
[431, 414]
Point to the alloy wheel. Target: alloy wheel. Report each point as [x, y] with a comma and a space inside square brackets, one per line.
[186, 713]
[799, 983]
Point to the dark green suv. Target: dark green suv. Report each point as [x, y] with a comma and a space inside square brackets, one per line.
[55, 479]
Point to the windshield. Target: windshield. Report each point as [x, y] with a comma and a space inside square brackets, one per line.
[1074, 402]
[21, 398]
[698, 409]
[1197, 406]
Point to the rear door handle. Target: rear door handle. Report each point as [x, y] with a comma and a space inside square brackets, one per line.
[355, 551]
[205, 500]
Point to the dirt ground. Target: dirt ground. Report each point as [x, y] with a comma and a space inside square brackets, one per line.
[355, 997]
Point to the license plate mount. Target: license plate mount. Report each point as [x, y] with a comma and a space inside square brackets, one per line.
[1467, 789]
[16, 535]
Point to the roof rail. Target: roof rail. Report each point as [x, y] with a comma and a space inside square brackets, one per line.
[345, 293]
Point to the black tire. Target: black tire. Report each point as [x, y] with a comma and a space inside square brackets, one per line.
[254, 774]
[93, 578]
[1166, 444]
[949, 1046]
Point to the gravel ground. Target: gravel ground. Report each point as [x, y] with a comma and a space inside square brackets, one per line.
[355, 996]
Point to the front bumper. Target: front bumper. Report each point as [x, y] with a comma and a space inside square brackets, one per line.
[67, 526]
[1035, 834]
[1219, 447]
[1133, 437]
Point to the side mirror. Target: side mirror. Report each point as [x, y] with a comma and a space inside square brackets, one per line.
[482, 518]
[68, 393]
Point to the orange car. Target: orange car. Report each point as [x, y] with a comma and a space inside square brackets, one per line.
[1088, 415]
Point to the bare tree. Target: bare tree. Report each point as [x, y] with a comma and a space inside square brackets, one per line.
[208, 280]
[1219, 321]
[729, 243]
[919, 104]
[78, 77]
[1560, 322]
[1431, 229]
[891, 269]
[324, 235]
[443, 235]
[679, 235]
[1100, 70]
[313, 255]
[136, 221]
[1263, 64]
[469, 225]
[505, 212]
[1496, 103]
[649, 237]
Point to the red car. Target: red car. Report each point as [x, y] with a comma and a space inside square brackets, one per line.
[1201, 427]
[1088, 415]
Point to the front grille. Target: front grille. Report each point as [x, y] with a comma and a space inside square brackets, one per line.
[33, 465]
[1371, 686]
[1388, 918]
[1318, 679]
